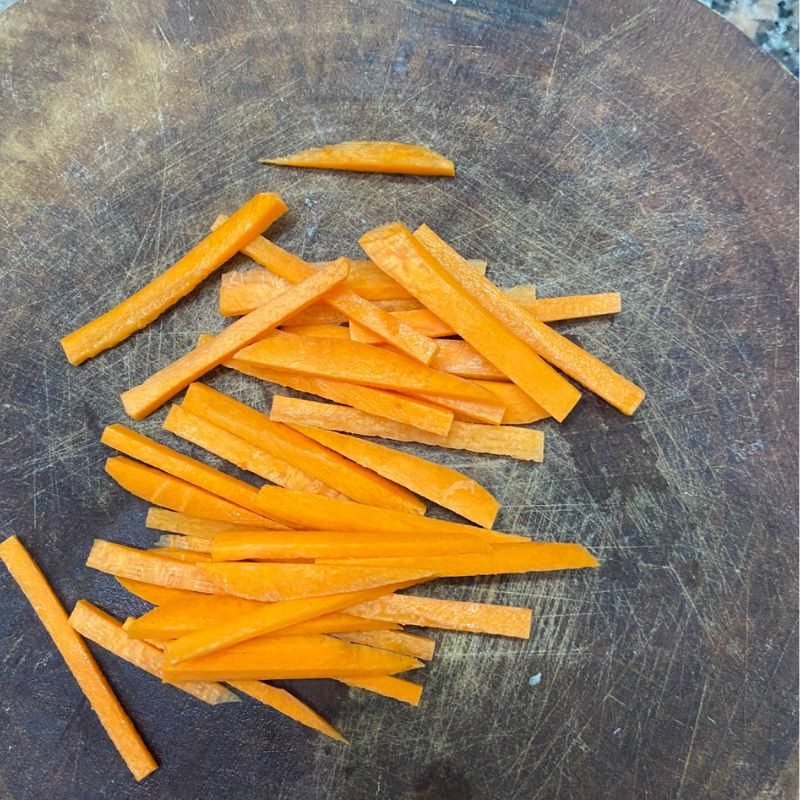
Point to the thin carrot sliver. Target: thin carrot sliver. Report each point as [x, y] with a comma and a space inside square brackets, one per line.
[320, 331]
[196, 544]
[489, 413]
[162, 519]
[153, 594]
[389, 686]
[461, 358]
[410, 644]
[520, 409]
[176, 554]
[580, 306]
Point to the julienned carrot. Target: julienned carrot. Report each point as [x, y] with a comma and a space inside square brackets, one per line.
[346, 477]
[370, 156]
[128, 562]
[461, 358]
[267, 618]
[190, 556]
[420, 319]
[159, 456]
[241, 453]
[558, 350]
[454, 615]
[167, 382]
[342, 299]
[519, 408]
[103, 629]
[175, 541]
[522, 443]
[490, 413]
[389, 686]
[240, 546]
[161, 519]
[156, 595]
[440, 484]
[274, 582]
[150, 302]
[287, 704]
[397, 252]
[320, 331]
[409, 644]
[312, 512]
[286, 657]
[78, 659]
[340, 359]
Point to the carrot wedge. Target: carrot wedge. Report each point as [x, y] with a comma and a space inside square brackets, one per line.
[401, 255]
[337, 472]
[454, 615]
[520, 409]
[389, 686]
[103, 629]
[440, 484]
[410, 644]
[141, 308]
[79, 660]
[370, 156]
[287, 704]
[521, 443]
[571, 359]
[145, 398]
[162, 519]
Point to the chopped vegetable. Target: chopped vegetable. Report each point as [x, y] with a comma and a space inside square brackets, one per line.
[491, 412]
[408, 644]
[161, 519]
[519, 408]
[389, 686]
[553, 309]
[461, 358]
[196, 544]
[320, 331]
[175, 554]
[156, 595]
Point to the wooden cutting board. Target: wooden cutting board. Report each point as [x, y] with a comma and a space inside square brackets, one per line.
[643, 147]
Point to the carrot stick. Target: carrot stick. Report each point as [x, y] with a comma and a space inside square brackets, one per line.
[286, 703]
[320, 331]
[401, 255]
[389, 686]
[420, 319]
[287, 657]
[519, 408]
[408, 644]
[240, 546]
[161, 519]
[189, 556]
[103, 629]
[370, 156]
[155, 595]
[195, 544]
[241, 453]
[490, 413]
[559, 351]
[79, 660]
[156, 297]
[279, 440]
[440, 484]
[167, 382]
[454, 615]
[521, 443]
[461, 358]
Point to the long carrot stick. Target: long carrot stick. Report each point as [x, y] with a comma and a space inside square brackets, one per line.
[409, 644]
[162, 519]
[389, 686]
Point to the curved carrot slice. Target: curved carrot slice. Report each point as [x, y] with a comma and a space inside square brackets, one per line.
[421, 647]
[156, 297]
[520, 409]
[370, 156]
[79, 660]
[389, 686]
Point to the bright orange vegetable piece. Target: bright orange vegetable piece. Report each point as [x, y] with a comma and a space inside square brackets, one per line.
[519, 408]
[145, 398]
[320, 331]
[156, 595]
[194, 544]
[409, 644]
[461, 358]
[490, 413]
[190, 556]
[156, 297]
[389, 686]
[420, 319]
[370, 156]
[161, 519]
[79, 660]
[522, 443]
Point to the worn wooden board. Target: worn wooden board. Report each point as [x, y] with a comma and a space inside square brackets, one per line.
[645, 147]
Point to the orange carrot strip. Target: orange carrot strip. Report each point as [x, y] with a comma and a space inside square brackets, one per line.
[156, 297]
[144, 449]
[440, 484]
[408, 644]
[461, 358]
[241, 453]
[103, 629]
[287, 657]
[161, 519]
[79, 660]
[128, 562]
[454, 615]
[240, 546]
[156, 595]
[490, 413]
[558, 350]
[389, 686]
[145, 398]
[397, 252]
[195, 544]
[279, 440]
[521, 443]
[519, 408]
[287, 704]
[320, 331]
[370, 156]
[175, 554]
[420, 319]
[553, 309]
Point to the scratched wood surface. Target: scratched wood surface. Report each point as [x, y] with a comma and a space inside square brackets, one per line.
[636, 146]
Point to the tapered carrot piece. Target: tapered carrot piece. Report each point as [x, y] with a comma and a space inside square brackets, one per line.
[240, 546]
[156, 297]
[490, 413]
[128, 562]
[579, 306]
[142, 448]
[454, 615]
[190, 556]
[161, 519]
[286, 657]
[267, 618]
[520, 409]
[320, 331]
[156, 595]
[342, 299]
[334, 470]
[445, 486]
[511, 558]
[389, 686]
[409, 644]
[103, 629]
[420, 319]
[241, 453]
[286, 703]
[340, 359]
[558, 350]
[77, 657]
[274, 582]
[312, 512]
[521, 443]
[167, 382]
[370, 156]
[461, 358]
[195, 544]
